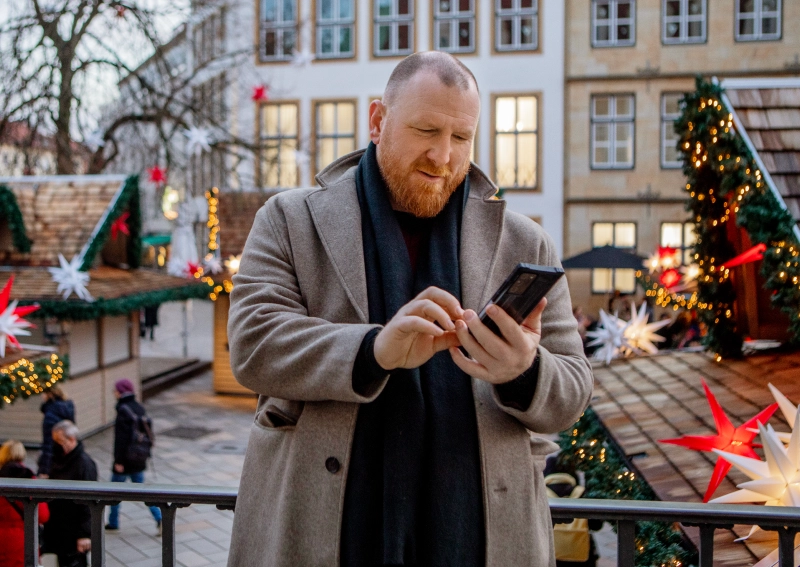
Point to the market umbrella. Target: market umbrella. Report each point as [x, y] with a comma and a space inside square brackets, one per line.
[605, 257]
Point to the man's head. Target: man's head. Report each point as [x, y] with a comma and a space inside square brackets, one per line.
[423, 129]
[65, 433]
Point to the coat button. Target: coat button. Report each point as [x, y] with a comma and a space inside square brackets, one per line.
[332, 464]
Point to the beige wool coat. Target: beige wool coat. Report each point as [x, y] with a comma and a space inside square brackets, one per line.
[297, 318]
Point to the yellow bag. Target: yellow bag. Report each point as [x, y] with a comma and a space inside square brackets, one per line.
[571, 540]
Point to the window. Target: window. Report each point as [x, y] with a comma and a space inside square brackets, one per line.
[684, 21]
[279, 144]
[516, 25]
[454, 25]
[209, 38]
[758, 20]
[681, 236]
[393, 27]
[516, 141]
[613, 23]
[670, 111]
[621, 235]
[335, 28]
[335, 127]
[278, 30]
[612, 131]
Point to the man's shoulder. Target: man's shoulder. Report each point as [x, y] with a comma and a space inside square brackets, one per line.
[291, 202]
[523, 227]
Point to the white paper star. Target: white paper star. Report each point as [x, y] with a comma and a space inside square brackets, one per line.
[199, 140]
[302, 58]
[70, 279]
[232, 263]
[610, 335]
[653, 263]
[776, 482]
[639, 334]
[11, 326]
[95, 140]
[788, 409]
[213, 265]
[690, 273]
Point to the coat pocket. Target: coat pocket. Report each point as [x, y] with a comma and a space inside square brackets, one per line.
[275, 413]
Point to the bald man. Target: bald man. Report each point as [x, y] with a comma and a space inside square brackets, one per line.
[376, 441]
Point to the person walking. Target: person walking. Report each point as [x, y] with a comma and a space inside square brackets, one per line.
[12, 512]
[68, 533]
[129, 461]
[56, 407]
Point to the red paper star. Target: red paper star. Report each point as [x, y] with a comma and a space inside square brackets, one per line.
[120, 225]
[194, 269]
[157, 175]
[11, 319]
[736, 440]
[260, 93]
[670, 277]
[666, 251]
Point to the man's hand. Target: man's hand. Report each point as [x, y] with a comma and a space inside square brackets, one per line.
[494, 359]
[84, 545]
[118, 468]
[411, 338]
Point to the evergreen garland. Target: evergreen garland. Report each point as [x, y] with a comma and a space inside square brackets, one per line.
[9, 209]
[587, 447]
[26, 378]
[128, 200]
[723, 182]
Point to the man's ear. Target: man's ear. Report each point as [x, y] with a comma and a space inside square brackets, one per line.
[377, 113]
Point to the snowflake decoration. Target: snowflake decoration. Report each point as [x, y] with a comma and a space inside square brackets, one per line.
[640, 335]
[199, 140]
[232, 263]
[302, 58]
[213, 265]
[610, 336]
[70, 278]
[95, 140]
[12, 324]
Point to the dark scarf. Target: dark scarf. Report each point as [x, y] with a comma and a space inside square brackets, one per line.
[414, 492]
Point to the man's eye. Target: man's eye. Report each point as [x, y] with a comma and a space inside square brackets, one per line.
[424, 130]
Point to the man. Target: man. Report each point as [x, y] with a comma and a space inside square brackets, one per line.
[68, 533]
[129, 414]
[376, 441]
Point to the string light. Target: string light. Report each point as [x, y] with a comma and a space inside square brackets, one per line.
[25, 378]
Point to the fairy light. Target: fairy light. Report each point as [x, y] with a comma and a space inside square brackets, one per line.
[25, 377]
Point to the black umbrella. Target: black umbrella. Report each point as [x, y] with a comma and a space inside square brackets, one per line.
[605, 257]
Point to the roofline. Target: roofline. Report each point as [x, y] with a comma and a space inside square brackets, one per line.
[754, 153]
[104, 217]
[761, 83]
[63, 178]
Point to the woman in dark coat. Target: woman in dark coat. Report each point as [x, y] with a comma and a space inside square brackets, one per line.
[12, 525]
[56, 407]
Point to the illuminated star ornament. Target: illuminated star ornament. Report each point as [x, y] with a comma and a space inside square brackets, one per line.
[70, 278]
[737, 441]
[120, 226]
[212, 265]
[232, 263]
[198, 140]
[640, 335]
[302, 58]
[12, 324]
[788, 409]
[609, 336]
[157, 175]
[260, 93]
[95, 140]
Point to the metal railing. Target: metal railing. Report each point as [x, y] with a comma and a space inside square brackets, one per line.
[625, 513]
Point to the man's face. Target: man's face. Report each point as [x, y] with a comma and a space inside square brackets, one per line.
[423, 142]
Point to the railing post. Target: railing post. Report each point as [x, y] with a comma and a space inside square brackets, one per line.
[786, 546]
[626, 543]
[168, 512]
[706, 545]
[31, 533]
[98, 510]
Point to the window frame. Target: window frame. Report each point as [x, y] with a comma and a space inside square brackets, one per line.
[667, 121]
[264, 26]
[758, 18]
[493, 141]
[393, 20]
[336, 23]
[613, 270]
[612, 138]
[683, 20]
[315, 137]
[612, 23]
[517, 13]
[472, 17]
[260, 138]
[684, 247]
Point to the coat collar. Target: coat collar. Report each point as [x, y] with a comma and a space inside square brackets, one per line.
[337, 217]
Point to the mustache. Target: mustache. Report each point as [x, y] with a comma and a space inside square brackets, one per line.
[430, 169]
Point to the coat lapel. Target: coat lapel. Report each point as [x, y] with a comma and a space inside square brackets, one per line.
[337, 218]
[481, 227]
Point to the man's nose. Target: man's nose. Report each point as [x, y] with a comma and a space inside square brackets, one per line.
[439, 152]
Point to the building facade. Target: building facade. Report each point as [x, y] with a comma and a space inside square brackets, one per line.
[627, 64]
[323, 61]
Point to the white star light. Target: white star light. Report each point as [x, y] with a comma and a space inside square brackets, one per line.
[302, 58]
[690, 273]
[213, 265]
[653, 263]
[639, 334]
[11, 326]
[232, 264]
[94, 140]
[788, 409]
[70, 279]
[610, 336]
[199, 140]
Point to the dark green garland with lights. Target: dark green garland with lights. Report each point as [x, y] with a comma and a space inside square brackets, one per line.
[724, 183]
[587, 447]
[25, 378]
[9, 209]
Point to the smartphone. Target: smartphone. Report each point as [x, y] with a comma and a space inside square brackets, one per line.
[521, 292]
